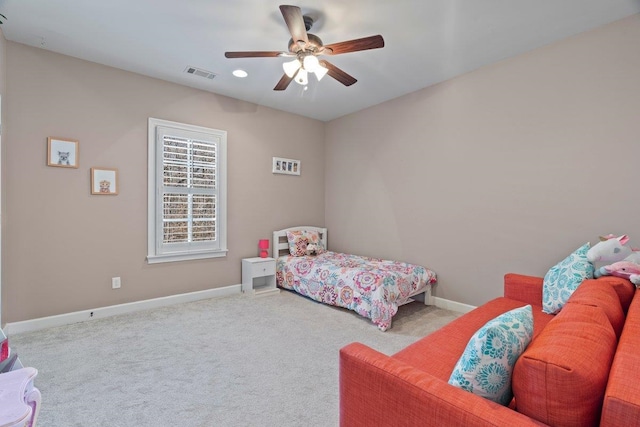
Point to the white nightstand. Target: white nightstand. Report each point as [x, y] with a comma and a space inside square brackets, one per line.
[259, 276]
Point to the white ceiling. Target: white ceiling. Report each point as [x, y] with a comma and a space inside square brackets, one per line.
[426, 41]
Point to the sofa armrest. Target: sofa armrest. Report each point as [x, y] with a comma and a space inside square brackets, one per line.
[376, 389]
[621, 405]
[523, 288]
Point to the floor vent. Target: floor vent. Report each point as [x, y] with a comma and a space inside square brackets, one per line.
[199, 72]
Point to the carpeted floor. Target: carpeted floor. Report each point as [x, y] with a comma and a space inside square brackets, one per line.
[233, 361]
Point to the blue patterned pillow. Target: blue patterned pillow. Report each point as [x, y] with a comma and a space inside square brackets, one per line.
[564, 278]
[485, 366]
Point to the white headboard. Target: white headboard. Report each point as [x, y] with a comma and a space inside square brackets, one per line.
[280, 244]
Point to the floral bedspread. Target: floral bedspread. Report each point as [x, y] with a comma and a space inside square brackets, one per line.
[371, 287]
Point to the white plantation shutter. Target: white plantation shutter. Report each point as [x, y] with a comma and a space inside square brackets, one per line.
[188, 190]
[189, 164]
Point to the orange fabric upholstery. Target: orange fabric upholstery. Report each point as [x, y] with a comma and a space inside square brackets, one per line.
[561, 377]
[527, 289]
[438, 355]
[624, 288]
[597, 294]
[378, 390]
[574, 372]
[622, 397]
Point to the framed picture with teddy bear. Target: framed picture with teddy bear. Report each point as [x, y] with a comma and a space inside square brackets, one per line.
[104, 181]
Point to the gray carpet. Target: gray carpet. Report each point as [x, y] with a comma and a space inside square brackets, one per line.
[233, 361]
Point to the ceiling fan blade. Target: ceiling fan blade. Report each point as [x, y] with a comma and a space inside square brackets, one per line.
[295, 22]
[283, 83]
[256, 54]
[338, 74]
[372, 42]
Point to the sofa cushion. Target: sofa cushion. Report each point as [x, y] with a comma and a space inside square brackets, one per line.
[564, 278]
[377, 390]
[438, 352]
[485, 366]
[624, 288]
[597, 294]
[560, 379]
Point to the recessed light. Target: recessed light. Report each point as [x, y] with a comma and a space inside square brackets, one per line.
[240, 73]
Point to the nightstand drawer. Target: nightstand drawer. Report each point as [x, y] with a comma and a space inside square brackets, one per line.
[266, 268]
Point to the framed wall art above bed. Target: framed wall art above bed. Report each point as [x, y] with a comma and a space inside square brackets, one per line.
[286, 166]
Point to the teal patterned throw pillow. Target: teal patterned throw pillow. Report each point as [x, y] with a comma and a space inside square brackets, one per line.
[485, 366]
[564, 278]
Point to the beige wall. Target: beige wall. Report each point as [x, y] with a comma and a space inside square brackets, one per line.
[63, 245]
[508, 168]
[505, 169]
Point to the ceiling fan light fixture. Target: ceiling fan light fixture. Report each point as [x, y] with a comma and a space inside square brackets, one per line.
[311, 63]
[302, 77]
[291, 67]
[306, 47]
[321, 72]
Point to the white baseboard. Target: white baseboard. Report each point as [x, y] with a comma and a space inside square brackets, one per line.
[451, 305]
[112, 310]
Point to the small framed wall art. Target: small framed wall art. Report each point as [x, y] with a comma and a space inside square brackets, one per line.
[62, 152]
[104, 181]
[286, 166]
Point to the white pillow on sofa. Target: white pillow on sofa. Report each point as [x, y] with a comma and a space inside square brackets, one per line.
[487, 362]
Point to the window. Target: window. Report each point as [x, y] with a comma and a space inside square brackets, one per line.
[187, 192]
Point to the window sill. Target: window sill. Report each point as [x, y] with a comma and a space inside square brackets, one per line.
[185, 256]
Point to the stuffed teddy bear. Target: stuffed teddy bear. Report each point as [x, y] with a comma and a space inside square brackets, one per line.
[312, 249]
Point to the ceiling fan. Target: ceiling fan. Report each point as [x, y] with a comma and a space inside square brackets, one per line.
[306, 47]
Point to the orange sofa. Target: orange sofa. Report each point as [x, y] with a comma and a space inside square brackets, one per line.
[581, 368]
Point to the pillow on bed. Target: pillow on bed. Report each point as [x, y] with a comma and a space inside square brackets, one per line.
[298, 241]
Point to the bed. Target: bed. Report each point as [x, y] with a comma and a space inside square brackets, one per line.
[373, 288]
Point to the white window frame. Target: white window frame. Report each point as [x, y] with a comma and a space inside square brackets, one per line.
[157, 251]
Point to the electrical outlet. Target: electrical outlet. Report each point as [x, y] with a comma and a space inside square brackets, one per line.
[115, 283]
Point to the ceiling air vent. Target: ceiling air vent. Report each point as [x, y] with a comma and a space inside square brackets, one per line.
[200, 72]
